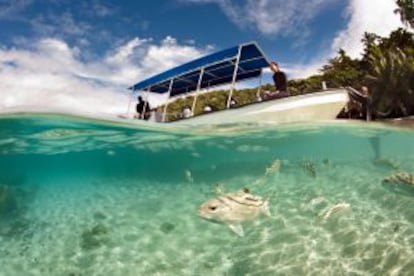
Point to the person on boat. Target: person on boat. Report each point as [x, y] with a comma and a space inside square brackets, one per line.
[186, 113]
[233, 102]
[280, 80]
[143, 109]
[207, 108]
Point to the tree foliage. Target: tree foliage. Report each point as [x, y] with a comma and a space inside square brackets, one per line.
[406, 11]
[390, 72]
[342, 71]
[391, 82]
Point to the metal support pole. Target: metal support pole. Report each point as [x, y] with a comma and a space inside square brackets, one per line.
[236, 68]
[129, 103]
[146, 103]
[166, 105]
[259, 89]
[200, 79]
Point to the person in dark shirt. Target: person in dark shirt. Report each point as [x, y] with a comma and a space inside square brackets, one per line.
[280, 80]
[141, 106]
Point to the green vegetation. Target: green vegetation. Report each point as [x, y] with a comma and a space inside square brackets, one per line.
[386, 68]
[217, 99]
[406, 11]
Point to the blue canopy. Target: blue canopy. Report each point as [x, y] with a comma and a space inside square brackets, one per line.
[218, 69]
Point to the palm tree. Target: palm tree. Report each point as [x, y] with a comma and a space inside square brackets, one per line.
[342, 71]
[399, 38]
[406, 11]
[391, 82]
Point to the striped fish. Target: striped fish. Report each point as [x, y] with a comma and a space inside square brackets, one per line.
[309, 168]
[401, 177]
[400, 182]
[234, 208]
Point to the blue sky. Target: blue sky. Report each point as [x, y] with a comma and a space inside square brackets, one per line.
[98, 26]
[84, 53]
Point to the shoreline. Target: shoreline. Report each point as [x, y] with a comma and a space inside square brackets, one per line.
[406, 122]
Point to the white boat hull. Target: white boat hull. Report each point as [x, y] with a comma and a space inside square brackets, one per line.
[319, 106]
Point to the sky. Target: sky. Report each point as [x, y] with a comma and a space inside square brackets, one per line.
[83, 55]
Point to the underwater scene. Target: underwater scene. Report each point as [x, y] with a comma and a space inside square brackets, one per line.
[84, 196]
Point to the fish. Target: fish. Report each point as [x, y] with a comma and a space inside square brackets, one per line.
[317, 200]
[189, 176]
[386, 163]
[400, 182]
[314, 202]
[219, 189]
[309, 168]
[401, 178]
[335, 209]
[232, 209]
[274, 167]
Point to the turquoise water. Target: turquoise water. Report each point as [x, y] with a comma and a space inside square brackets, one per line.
[89, 197]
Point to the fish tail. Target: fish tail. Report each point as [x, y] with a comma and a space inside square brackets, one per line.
[265, 208]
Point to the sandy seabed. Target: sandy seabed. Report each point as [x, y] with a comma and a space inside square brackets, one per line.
[130, 227]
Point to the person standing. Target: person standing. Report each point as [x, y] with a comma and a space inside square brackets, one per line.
[143, 109]
[367, 105]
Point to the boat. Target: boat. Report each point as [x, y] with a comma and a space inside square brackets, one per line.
[227, 67]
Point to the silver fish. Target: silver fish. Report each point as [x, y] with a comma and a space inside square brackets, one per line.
[189, 176]
[219, 189]
[234, 208]
[314, 202]
[335, 209]
[274, 167]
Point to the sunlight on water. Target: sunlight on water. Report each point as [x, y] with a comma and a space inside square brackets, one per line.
[88, 197]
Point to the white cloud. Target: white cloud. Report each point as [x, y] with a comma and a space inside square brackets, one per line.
[366, 16]
[64, 24]
[271, 17]
[300, 71]
[51, 74]
[9, 8]
[102, 10]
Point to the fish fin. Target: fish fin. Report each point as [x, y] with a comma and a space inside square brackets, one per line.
[237, 228]
[265, 208]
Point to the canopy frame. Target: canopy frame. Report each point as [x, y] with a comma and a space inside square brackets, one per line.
[229, 66]
[200, 79]
[233, 82]
[218, 69]
[164, 114]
